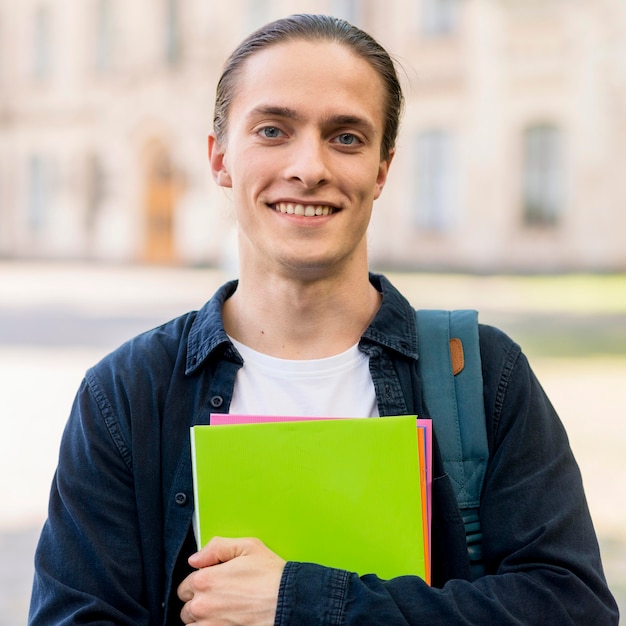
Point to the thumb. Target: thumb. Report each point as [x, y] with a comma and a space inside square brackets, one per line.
[219, 550]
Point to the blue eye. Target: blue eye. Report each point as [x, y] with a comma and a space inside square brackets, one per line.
[270, 132]
[347, 139]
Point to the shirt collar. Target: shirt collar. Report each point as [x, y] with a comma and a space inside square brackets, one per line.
[207, 332]
[393, 326]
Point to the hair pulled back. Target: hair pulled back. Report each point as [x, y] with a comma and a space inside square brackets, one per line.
[313, 28]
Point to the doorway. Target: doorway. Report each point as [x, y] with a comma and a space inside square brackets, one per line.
[162, 189]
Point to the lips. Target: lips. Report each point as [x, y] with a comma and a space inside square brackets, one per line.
[305, 210]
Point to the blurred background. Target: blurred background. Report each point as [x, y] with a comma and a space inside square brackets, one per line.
[510, 156]
[506, 195]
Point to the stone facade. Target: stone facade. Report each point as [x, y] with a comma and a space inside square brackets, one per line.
[509, 159]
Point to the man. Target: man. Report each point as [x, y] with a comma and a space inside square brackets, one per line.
[307, 111]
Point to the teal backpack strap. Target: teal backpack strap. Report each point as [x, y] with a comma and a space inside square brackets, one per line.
[451, 372]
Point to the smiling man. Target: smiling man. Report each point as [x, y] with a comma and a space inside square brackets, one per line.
[306, 117]
[302, 155]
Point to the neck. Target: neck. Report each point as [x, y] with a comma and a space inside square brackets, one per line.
[295, 319]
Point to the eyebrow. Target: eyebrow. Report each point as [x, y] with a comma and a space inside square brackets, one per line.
[329, 120]
[275, 111]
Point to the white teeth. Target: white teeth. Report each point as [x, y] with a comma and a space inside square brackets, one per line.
[306, 210]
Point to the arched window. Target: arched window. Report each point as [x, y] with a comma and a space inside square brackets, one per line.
[163, 186]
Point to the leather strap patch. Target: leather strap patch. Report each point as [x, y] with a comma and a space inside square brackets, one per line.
[456, 355]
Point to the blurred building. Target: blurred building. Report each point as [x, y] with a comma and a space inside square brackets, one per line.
[510, 155]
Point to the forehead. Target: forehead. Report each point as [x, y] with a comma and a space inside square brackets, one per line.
[318, 77]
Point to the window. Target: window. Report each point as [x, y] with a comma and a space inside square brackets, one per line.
[42, 43]
[435, 180]
[37, 194]
[95, 190]
[439, 17]
[543, 175]
[257, 13]
[349, 10]
[4, 226]
[173, 37]
[2, 56]
[40, 181]
[104, 35]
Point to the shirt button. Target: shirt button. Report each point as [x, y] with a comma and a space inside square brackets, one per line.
[217, 401]
[180, 498]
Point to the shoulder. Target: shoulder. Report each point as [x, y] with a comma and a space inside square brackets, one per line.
[156, 349]
[501, 359]
[170, 345]
[497, 349]
[133, 380]
[511, 390]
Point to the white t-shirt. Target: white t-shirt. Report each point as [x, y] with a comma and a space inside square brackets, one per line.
[336, 386]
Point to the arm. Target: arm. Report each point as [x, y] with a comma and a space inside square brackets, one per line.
[88, 565]
[540, 548]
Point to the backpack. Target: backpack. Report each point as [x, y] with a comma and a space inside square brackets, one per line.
[451, 372]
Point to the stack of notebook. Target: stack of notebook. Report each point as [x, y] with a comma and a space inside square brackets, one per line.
[348, 493]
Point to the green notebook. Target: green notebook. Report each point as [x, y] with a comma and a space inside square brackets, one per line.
[341, 493]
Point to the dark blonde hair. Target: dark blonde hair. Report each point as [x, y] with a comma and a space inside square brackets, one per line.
[314, 28]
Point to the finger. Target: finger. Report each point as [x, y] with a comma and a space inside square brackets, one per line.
[222, 549]
[187, 616]
[185, 589]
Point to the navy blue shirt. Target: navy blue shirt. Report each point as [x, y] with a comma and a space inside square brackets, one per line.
[118, 534]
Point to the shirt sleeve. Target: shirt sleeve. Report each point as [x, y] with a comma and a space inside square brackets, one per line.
[88, 564]
[541, 553]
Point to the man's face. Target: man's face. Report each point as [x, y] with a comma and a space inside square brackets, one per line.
[302, 156]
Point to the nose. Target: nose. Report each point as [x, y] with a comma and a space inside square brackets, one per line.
[308, 162]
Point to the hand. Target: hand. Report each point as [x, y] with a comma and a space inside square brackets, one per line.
[236, 584]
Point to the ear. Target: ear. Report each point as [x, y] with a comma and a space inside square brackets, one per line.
[217, 160]
[383, 171]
